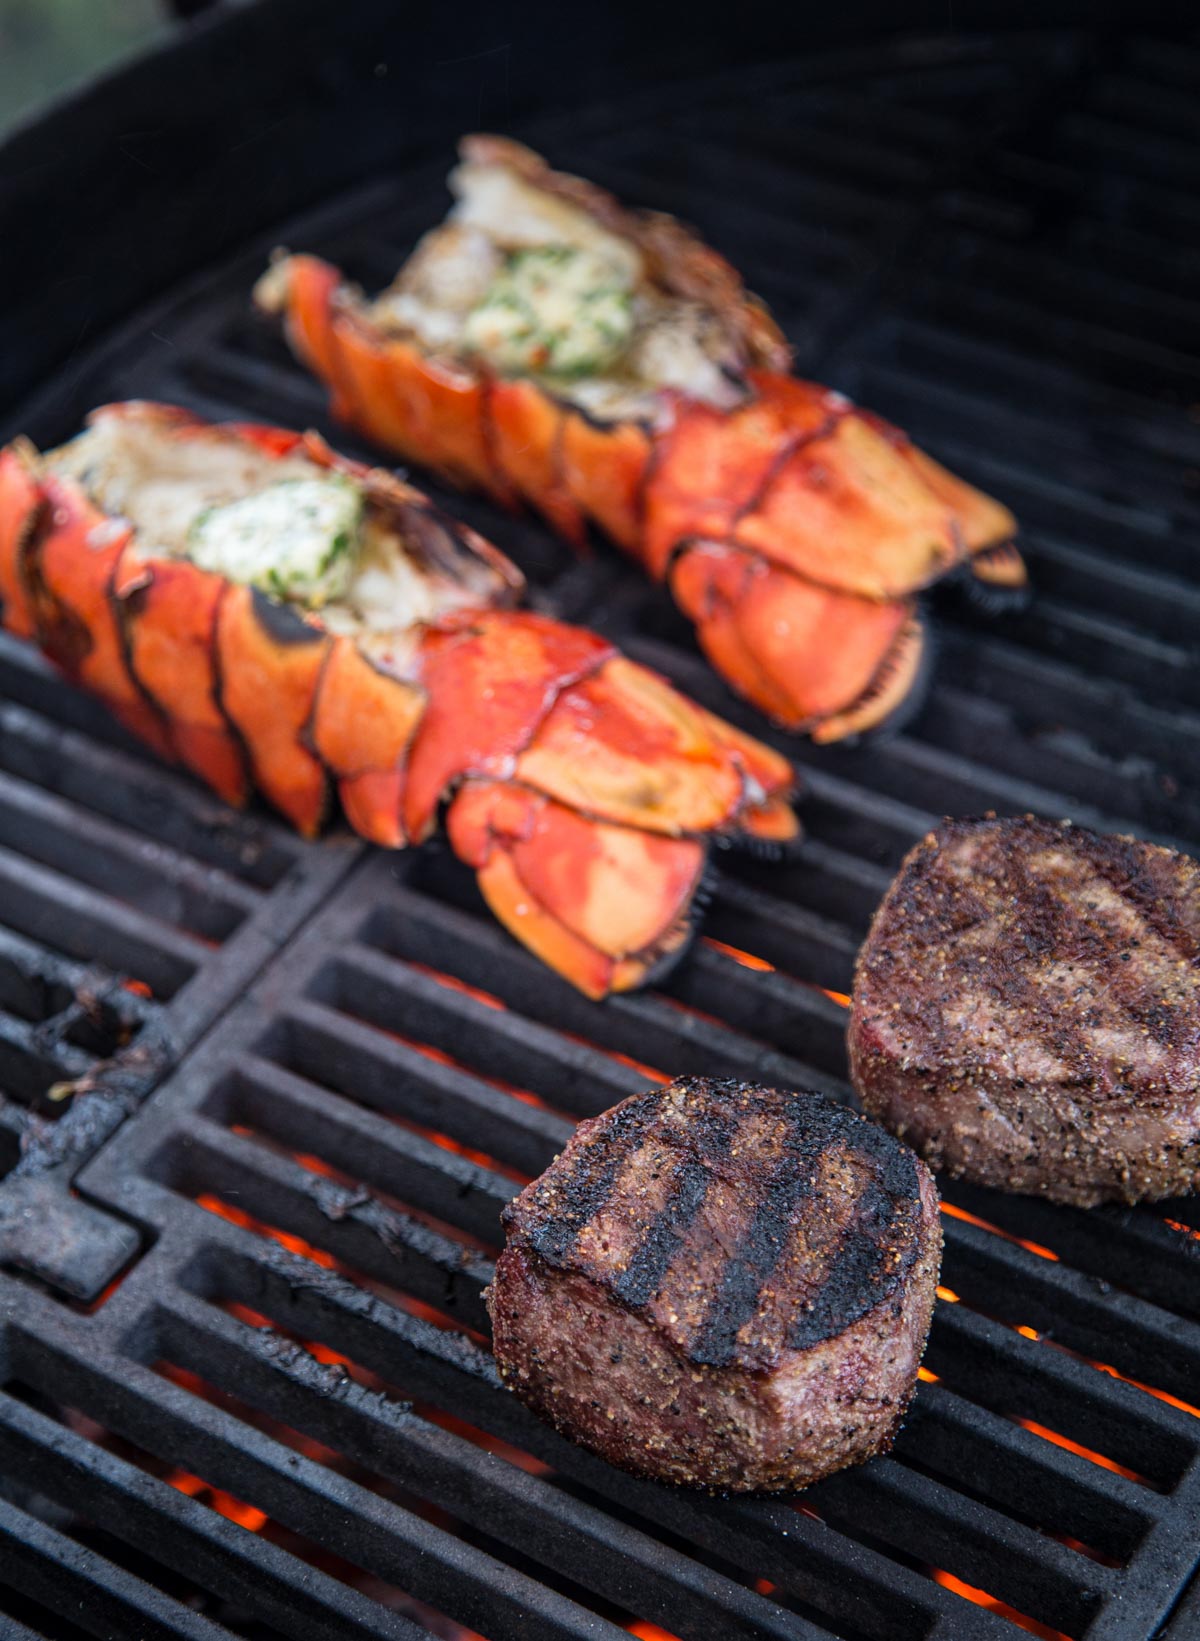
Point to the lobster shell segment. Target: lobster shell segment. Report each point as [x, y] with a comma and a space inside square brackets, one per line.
[831, 497]
[583, 789]
[73, 564]
[805, 655]
[491, 677]
[170, 611]
[829, 509]
[603, 903]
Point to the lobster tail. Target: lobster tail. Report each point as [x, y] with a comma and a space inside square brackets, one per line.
[583, 790]
[794, 528]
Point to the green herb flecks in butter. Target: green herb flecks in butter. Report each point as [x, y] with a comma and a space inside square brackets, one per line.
[553, 311]
[296, 540]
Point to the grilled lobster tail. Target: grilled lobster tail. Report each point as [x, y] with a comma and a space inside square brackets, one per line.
[792, 528]
[583, 790]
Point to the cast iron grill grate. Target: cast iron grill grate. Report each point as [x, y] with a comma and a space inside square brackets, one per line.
[284, 1420]
[132, 908]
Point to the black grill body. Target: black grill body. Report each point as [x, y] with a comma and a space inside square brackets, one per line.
[250, 1203]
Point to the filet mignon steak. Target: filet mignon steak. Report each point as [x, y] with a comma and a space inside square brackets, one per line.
[721, 1285]
[1027, 1010]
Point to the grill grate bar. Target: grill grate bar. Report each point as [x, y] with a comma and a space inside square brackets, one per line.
[359, 1230]
[1008, 1371]
[1021, 1472]
[309, 1118]
[201, 899]
[73, 1581]
[512, 1048]
[1139, 1338]
[30, 1063]
[145, 798]
[1127, 1247]
[518, 1509]
[87, 923]
[313, 1500]
[1052, 692]
[39, 985]
[976, 1543]
[188, 1537]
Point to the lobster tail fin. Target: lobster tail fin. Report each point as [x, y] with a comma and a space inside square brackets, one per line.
[604, 904]
[809, 658]
[795, 531]
[997, 580]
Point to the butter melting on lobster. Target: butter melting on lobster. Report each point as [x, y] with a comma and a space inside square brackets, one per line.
[276, 617]
[605, 367]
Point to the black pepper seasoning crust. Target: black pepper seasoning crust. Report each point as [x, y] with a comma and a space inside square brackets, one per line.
[1026, 1010]
[721, 1285]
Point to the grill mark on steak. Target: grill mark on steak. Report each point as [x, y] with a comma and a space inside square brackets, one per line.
[745, 1305]
[808, 1138]
[652, 1258]
[1138, 884]
[737, 1298]
[1027, 1010]
[696, 1250]
[584, 1191]
[857, 1268]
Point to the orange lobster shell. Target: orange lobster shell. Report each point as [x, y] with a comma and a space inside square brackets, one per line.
[794, 530]
[584, 790]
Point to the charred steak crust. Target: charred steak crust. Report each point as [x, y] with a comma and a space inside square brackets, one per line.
[1027, 1010]
[721, 1285]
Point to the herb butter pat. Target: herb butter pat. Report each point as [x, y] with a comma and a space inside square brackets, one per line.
[554, 311]
[297, 539]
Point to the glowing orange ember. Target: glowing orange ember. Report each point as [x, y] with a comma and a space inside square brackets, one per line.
[1162, 1395]
[243, 1313]
[981, 1598]
[948, 1294]
[746, 959]
[650, 1632]
[986, 1225]
[244, 1514]
[316, 1165]
[1074, 1447]
[484, 1438]
[223, 1503]
[650, 1074]
[239, 1216]
[439, 1055]
[139, 988]
[453, 983]
[926, 1377]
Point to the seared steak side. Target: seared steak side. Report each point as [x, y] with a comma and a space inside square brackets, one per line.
[721, 1285]
[1027, 1011]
